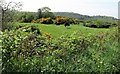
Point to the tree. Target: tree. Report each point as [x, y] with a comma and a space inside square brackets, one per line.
[39, 14]
[29, 17]
[47, 15]
[0, 18]
[45, 9]
[9, 11]
[44, 12]
[26, 17]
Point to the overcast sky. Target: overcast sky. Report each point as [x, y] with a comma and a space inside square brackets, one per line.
[85, 7]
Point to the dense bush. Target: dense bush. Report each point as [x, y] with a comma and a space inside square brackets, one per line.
[43, 21]
[98, 24]
[46, 21]
[61, 20]
[25, 50]
[44, 18]
[66, 24]
[26, 17]
[73, 21]
[48, 14]
[34, 21]
[20, 44]
[76, 21]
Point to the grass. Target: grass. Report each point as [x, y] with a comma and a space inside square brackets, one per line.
[57, 31]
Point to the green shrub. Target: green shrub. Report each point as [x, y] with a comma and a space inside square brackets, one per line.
[98, 24]
[25, 50]
[25, 18]
[20, 44]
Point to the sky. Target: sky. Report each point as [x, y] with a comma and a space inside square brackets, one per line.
[84, 7]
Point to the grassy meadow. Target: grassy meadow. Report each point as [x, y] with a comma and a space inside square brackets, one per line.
[57, 31]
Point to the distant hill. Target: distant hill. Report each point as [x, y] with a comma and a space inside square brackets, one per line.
[72, 15]
[78, 16]
[83, 17]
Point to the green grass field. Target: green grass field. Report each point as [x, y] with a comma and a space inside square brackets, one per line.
[57, 31]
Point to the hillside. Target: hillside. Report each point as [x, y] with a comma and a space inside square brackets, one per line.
[72, 15]
[83, 17]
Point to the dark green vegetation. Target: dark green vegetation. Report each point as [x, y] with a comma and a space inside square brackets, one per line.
[28, 49]
[82, 17]
[63, 17]
[41, 43]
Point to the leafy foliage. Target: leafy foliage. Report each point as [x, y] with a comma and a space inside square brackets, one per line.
[9, 12]
[26, 17]
[43, 14]
[25, 50]
[99, 24]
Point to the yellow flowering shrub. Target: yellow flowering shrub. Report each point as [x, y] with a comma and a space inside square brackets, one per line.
[46, 21]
